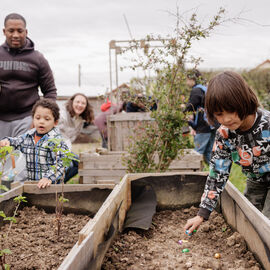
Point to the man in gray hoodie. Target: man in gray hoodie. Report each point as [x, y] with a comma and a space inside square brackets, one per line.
[23, 70]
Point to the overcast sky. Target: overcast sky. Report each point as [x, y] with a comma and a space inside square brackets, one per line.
[70, 33]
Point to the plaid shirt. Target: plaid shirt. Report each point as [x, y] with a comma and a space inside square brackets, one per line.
[39, 158]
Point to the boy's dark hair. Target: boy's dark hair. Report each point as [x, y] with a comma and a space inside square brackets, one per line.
[229, 92]
[195, 75]
[14, 16]
[49, 104]
[87, 114]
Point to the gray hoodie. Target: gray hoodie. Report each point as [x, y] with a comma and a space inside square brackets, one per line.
[22, 72]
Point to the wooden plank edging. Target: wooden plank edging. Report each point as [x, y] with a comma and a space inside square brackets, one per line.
[143, 116]
[32, 188]
[79, 256]
[134, 176]
[11, 193]
[255, 217]
[100, 224]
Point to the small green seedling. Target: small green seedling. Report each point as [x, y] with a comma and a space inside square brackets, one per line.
[4, 152]
[66, 158]
[5, 251]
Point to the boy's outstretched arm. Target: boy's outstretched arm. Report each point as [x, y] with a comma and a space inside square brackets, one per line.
[4, 143]
[44, 182]
[193, 224]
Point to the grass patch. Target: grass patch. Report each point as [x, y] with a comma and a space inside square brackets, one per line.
[237, 178]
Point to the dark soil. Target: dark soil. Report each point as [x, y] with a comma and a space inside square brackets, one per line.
[159, 248]
[33, 240]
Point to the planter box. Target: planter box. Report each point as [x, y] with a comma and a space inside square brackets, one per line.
[83, 199]
[122, 126]
[173, 191]
[108, 167]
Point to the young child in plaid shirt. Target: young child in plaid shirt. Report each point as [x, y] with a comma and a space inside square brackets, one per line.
[34, 144]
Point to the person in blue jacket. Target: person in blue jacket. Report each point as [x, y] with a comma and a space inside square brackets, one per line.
[204, 132]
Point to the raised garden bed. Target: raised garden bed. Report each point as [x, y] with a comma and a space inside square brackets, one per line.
[109, 166]
[33, 240]
[246, 227]
[215, 246]
[239, 222]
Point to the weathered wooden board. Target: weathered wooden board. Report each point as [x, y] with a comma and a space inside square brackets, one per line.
[92, 235]
[121, 127]
[7, 203]
[248, 221]
[78, 257]
[33, 189]
[110, 165]
[11, 193]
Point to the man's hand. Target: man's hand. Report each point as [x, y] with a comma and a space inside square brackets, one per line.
[44, 182]
[193, 224]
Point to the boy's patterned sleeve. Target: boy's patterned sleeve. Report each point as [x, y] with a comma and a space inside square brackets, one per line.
[16, 142]
[220, 167]
[60, 169]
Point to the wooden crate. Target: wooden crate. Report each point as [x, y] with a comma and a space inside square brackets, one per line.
[108, 167]
[121, 127]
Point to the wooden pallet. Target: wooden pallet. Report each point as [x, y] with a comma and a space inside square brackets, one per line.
[109, 167]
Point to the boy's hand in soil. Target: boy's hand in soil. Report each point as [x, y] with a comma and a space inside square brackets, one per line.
[44, 182]
[4, 143]
[193, 224]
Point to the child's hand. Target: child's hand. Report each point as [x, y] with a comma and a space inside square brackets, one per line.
[193, 132]
[4, 143]
[193, 224]
[44, 182]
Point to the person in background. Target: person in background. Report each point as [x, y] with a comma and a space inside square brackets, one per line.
[141, 103]
[23, 70]
[204, 134]
[135, 107]
[34, 144]
[73, 114]
[242, 138]
[101, 119]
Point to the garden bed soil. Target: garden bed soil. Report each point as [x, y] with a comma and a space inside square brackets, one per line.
[33, 240]
[159, 248]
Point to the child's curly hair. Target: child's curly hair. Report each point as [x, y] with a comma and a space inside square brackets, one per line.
[49, 104]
